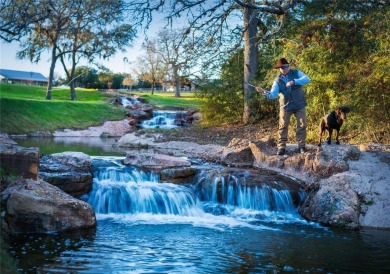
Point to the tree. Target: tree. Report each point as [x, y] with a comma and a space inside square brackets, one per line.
[344, 47]
[15, 18]
[128, 81]
[45, 34]
[74, 30]
[223, 98]
[105, 78]
[86, 77]
[218, 23]
[97, 31]
[117, 79]
[177, 54]
[150, 67]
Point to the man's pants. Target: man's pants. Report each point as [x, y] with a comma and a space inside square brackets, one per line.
[284, 121]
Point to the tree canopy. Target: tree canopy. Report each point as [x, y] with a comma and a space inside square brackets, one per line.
[344, 47]
[71, 30]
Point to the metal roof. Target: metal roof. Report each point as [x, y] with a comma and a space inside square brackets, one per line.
[22, 75]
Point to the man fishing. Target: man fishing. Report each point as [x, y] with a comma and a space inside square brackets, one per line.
[288, 86]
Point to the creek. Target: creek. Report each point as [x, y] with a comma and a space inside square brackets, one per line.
[214, 223]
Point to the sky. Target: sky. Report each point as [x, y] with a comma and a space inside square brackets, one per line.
[8, 51]
[8, 60]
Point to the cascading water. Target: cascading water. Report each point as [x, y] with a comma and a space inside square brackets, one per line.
[165, 119]
[126, 191]
[230, 191]
[129, 101]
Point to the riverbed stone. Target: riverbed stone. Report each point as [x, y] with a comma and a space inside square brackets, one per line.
[177, 175]
[39, 207]
[238, 153]
[70, 171]
[139, 114]
[18, 161]
[132, 140]
[154, 161]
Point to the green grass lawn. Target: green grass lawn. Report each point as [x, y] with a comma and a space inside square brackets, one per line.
[24, 109]
[164, 99]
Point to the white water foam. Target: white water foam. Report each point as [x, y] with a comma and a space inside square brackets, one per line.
[204, 220]
[163, 119]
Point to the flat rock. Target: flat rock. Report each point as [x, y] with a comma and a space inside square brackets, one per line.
[154, 161]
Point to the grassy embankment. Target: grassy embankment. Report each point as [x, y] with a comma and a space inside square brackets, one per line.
[23, 109]
[168, 99]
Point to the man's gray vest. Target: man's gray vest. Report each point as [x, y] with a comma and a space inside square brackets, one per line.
[291, 98]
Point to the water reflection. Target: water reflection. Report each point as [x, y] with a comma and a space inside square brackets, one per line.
[120, 247]
[93, 146]
[39, 253]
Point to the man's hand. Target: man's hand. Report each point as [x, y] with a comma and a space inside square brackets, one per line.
[261, 90]
[290, 83]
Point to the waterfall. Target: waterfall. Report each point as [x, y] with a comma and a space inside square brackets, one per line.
[129, 101]
[120, 189]
[217, 198]
[233, 191]
[165, 119]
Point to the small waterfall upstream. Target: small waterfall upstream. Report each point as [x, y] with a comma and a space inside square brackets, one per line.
[165, 119]
[126, 191]
[129, 101]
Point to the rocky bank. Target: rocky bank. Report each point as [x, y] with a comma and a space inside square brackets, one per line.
[347, 186]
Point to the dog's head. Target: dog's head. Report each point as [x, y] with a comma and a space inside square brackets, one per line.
[341, 112]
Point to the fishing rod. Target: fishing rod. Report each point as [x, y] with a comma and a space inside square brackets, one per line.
[265, 92]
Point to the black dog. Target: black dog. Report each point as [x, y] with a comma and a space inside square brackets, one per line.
[331, 121]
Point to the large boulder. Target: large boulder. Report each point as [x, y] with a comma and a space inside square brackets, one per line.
[132, 140]
[170, 169]
[333, 160]
[177, 175]
[17, 160]
[154, 161]
[334, 204]
[70, 171]
[238, 153]
[39, 207]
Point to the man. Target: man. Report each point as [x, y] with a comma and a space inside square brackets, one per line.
[288, 85]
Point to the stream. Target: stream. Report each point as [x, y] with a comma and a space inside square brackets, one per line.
[209, 225]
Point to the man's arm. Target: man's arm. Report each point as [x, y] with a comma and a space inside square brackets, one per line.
[272, 94]
[302, 79]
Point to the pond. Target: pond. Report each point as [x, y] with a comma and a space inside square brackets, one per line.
[185, 229]
[93, 146]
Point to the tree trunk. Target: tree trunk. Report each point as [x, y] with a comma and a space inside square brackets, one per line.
[153, 86]
[72, 72]
[250, 61]
[176, 79]
[72, 92]
[51, 74]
